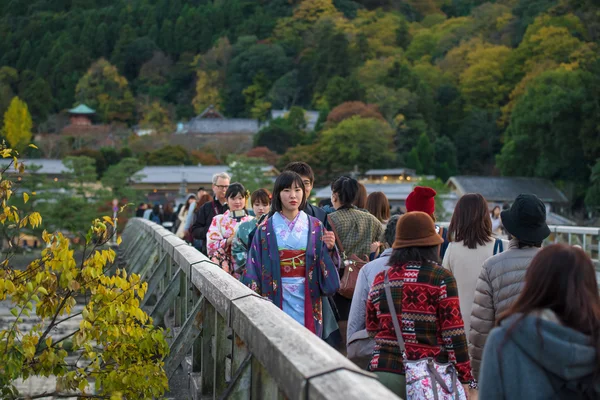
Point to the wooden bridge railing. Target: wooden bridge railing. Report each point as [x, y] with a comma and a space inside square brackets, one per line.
[231, 342]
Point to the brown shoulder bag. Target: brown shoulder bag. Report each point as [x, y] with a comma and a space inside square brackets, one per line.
[351, 266]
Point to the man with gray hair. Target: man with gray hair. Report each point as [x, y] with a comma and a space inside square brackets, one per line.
[206, 213]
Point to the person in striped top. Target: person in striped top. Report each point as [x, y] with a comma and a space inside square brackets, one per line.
[426, 301]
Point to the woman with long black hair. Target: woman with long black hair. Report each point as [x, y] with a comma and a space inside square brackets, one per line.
[547, 345]
[288, 262]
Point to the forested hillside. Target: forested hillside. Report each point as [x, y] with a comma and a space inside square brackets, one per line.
[444, 86]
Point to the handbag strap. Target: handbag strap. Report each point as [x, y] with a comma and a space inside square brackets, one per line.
[392, 307]
[338, 241]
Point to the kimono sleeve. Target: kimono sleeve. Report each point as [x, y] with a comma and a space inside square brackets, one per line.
[214, 237]
[329, 279]
[252, 274]
[239, 248]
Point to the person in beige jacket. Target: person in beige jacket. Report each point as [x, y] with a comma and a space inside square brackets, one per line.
[471, 243]
[502, 276]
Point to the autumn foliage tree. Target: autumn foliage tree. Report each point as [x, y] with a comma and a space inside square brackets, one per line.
[120, 352]
[354, 108]
[17, 124]
[105, 90]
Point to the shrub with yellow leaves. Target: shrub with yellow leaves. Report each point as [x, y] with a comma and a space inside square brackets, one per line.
[120, 352]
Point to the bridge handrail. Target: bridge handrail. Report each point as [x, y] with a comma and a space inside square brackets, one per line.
[301, 364]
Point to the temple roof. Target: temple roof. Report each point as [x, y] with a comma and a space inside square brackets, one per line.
[82, 109]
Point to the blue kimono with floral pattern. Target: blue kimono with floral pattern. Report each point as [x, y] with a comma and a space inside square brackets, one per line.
[263, 270]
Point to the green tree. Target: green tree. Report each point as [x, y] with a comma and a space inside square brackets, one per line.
[248, 170]
[422, 156]
[340, 90]
[362, 142]
[119, 177]
[103, 89]
[17, 124]
[37, 94]
[82, 173]
[267, 61]
[592, 196]
[169, 155]
[445, 158]
[279, 135]
[477, 141]
[553, 130]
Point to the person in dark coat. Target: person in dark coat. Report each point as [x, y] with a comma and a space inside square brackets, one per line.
[205, 214]
[139, 213]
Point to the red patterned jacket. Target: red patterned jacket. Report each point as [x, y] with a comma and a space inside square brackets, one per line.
[429, 313]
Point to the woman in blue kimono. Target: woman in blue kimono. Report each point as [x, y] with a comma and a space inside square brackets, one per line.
[288, 262]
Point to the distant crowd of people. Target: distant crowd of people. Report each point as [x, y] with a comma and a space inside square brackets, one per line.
[477, 309]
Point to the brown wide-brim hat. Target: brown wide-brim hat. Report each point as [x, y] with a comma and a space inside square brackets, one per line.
[416, 229]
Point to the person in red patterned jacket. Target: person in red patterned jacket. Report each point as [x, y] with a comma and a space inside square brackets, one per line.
[426, 301]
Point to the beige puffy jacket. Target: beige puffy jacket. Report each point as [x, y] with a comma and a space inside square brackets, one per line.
[500, 283]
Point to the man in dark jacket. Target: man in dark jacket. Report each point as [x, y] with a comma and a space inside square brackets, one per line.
[205, 214]
[139, 213]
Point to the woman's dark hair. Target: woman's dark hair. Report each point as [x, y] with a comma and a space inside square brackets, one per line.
[346, 189]
[562, 278]
[262, 196]
[390, 230]
[234, 189]
[187, 201]
[423, 255]
[379, 206]
[285, 180]
[156, 209]
[494, 209]
[168, 209]
[360, 201]
[325, 203]
[471, 223]
[205, 198]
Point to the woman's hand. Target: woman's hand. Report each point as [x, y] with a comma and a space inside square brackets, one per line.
[375, 247]
[329, 239]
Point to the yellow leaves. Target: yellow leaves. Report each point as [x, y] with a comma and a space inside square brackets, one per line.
[43, 290]
[29, 343]
[207, 90]
[9, 286]
[109, 220]
[74, 285]
[17, 124]
[119, 240]
[25, 197]
[33, 146]
[35, 219]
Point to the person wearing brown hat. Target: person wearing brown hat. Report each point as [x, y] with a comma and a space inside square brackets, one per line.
[426, 302]
[422, 198]
[503, 276]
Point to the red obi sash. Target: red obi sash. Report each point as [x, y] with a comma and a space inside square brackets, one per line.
[293, 263]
